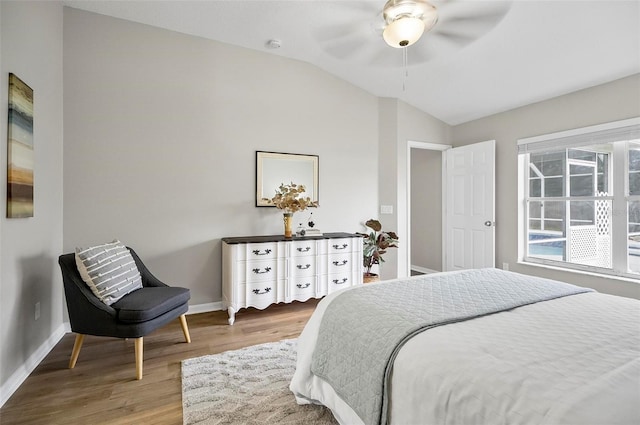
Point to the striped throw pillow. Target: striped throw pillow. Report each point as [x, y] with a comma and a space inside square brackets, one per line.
[109, 270]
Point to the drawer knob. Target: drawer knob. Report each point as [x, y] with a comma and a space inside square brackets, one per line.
[258, 292]
[301, 286]
[344, 246]
[305, 249]
[265, 252]
[340, 263]
[266, 270]
[305, 267]
[340, 282]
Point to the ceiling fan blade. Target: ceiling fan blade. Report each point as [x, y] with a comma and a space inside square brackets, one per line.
[389, 57]
[355, 28]
[334, 32]
[347, 49]
[461, 22]
[347, 44]
[453, 36]
[420, 54]
[386, 57]
[473, 12]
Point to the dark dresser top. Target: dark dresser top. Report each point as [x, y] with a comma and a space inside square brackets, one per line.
[281, 238]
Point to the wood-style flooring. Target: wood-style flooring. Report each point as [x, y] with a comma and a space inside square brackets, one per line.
[102, 388]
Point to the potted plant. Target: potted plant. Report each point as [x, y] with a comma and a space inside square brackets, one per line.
[288, 198]
[376, 243]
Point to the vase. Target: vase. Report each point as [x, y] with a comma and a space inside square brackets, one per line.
[288, 220]
[370, 278]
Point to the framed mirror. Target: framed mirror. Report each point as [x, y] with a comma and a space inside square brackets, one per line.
[275, 168]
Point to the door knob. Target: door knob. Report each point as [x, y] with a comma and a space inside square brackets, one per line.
[489, 223]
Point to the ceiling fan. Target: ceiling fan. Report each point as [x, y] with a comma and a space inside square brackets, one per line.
[406, 21]
[362, 32]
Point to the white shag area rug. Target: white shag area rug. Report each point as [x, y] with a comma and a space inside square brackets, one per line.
[246, 386]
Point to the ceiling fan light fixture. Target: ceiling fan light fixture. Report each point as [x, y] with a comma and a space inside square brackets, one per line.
[403, 32]
[407, 20]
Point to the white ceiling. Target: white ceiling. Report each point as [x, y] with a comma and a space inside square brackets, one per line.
[483, 57]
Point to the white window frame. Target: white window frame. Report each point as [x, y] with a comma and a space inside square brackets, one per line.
[628, 129]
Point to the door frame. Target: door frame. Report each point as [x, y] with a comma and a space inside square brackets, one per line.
[407, 225]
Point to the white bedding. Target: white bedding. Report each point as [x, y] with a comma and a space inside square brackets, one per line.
[572, 360]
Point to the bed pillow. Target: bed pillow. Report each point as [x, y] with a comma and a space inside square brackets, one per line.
[109, 270]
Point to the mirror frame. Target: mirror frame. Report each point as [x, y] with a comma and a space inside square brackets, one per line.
[313, 160]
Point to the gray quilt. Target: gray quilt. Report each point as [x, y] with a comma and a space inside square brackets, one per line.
[363, 330]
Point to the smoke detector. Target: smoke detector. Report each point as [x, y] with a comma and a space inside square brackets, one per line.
[273, 44]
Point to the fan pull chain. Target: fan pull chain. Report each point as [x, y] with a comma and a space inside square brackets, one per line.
[405, 63]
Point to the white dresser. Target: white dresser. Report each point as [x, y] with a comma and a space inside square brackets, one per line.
[258, 271]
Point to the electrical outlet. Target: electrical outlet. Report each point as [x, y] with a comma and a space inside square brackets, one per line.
[505, 266]
[37, 310]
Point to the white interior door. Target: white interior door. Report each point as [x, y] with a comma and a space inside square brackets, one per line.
[469, 206]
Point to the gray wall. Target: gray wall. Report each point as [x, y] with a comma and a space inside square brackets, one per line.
[161, 131]
[399, 124]
[426, 209]
[31, 46]
[609, 102]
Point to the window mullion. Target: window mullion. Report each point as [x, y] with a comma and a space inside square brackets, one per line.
[566, 231]
[523, 195]
[619, 216]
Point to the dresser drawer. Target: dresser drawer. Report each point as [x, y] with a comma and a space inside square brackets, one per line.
[339, 263]
[303, 288]
[256, 271]
[261, 294]
[259, 251]
[303, 266]
[303, 248]
[338, 281]
[341, 245]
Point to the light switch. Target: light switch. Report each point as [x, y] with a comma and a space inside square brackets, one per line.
[386, 209]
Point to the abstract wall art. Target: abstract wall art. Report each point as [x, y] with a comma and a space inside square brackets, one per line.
[20, 150]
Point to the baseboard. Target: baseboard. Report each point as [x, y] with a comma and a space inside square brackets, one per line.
[205, 308]
[23, 372]
[424, 270]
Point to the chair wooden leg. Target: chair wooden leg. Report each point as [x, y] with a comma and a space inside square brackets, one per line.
[77, 345]
[139, 357]
[185, 328]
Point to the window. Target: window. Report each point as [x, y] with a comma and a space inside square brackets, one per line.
[580, 198]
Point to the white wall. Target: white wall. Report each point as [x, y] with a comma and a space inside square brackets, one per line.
[617, 100]
[31, 46]
[161, 131]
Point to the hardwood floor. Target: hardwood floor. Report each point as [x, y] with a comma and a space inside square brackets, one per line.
[102, 388]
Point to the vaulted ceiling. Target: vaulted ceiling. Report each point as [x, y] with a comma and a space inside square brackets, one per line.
[481, 58]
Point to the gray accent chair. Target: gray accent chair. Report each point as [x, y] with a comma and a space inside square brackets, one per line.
[133, 316]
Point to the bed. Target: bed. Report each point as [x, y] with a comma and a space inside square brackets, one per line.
[488, 347]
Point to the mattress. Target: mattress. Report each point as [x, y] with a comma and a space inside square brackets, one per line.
[570, 360]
